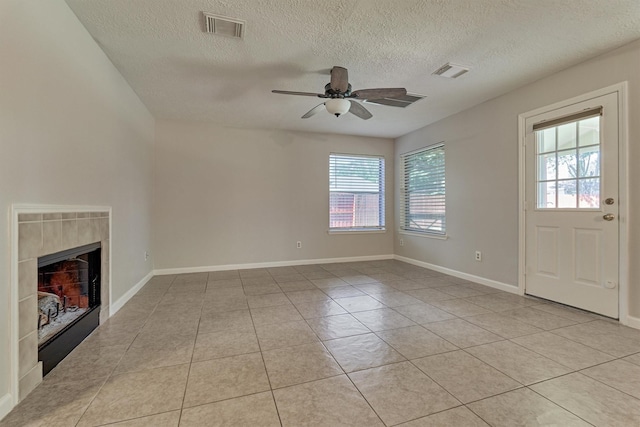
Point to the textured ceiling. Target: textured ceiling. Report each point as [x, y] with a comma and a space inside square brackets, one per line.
[180, 72]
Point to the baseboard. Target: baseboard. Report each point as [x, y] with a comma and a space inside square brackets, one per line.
[477, 279]
[117, 305]
[182, 270]
[6, 405]
[632, 322]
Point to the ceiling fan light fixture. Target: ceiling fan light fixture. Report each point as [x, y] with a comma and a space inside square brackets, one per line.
[337, 106]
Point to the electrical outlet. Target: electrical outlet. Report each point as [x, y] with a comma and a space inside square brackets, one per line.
[401, 242]
[299, 244]
[146, 256]
[478, 256]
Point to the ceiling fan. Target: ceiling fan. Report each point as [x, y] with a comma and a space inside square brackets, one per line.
[341, 98]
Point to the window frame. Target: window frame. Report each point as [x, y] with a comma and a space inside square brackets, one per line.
[381, 193]
[404, 191]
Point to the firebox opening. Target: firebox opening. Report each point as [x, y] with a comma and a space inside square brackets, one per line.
[68, 301]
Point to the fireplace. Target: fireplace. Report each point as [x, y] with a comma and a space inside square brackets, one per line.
[68, 301]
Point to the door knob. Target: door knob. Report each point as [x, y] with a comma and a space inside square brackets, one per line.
[608, 217]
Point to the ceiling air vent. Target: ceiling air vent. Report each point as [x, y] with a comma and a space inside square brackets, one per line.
[223, 26]
[403, 102]
[451, 71]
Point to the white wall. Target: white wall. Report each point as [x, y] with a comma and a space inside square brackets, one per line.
[228, 196]
[482, 171]
[72, 132]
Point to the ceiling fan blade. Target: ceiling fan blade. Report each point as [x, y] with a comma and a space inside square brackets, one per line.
[288, 92]
[379, 93]
[339, 79]
[359, 110]
[313, 111]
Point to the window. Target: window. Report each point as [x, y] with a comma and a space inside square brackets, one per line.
[356, 192]
[568, 161]
[423, 191]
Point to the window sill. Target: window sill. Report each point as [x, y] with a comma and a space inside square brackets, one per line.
[371, 231]
[427, 235]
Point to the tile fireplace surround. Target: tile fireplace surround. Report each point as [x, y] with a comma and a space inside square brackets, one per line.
[41, 232]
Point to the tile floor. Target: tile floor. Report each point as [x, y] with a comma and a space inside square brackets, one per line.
[355, 344]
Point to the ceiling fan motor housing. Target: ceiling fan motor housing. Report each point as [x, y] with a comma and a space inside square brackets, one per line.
[331, 93]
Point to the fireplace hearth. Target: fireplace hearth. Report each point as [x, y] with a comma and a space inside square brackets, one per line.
[68, 301]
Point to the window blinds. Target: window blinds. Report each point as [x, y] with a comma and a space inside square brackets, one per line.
[356, 188]
[423, 191]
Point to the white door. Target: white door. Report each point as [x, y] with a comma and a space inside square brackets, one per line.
[571, 205]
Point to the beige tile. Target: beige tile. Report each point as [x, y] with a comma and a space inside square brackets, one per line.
[537, 318]
[28, 382]
[284, 335]
[287, 278]
[494, 303]
[27, 353]
[298, 285]
[396, 299]
[222, 275]
[214, 285]
[406, 285]
[156, 351]
[27, 316]
[329, 402]
[591, 400]
[87, 364]
[299, 364]
[462, 333]
[362, 352]
[51, 237]
[464, 291]
[69, 233]
[458, 417]
[187, 288]
[254, 272]
[613, 339]
[29, 217]
[566, 352]
[424, 313]
[464, 376]
[429, 295]
[53, 404]
[312, 295]
[339, 326]
[619, 374]
[29, 240]
[330, 282]
[312, 310]
[220, 379]
[359, 303]
[137, 394]
[272, 315]
[260, 289]
[268, 300]
[233, 412]
[343, 292]
[359, 279]
[166, 419]
[224, 343]
[27, 278]
[415, 341]
[238, 320]
[517, 362]
[523, 408]
[460, 307]
[504, 326]
[567, 312]
[191, 277]
[373, 289]
[400, 392]
[382, 319]
[635, 359]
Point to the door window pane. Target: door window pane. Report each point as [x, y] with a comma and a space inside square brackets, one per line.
[589, 190]
[567, 194]
[547, 194]
[568, 165]
[566, 136]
